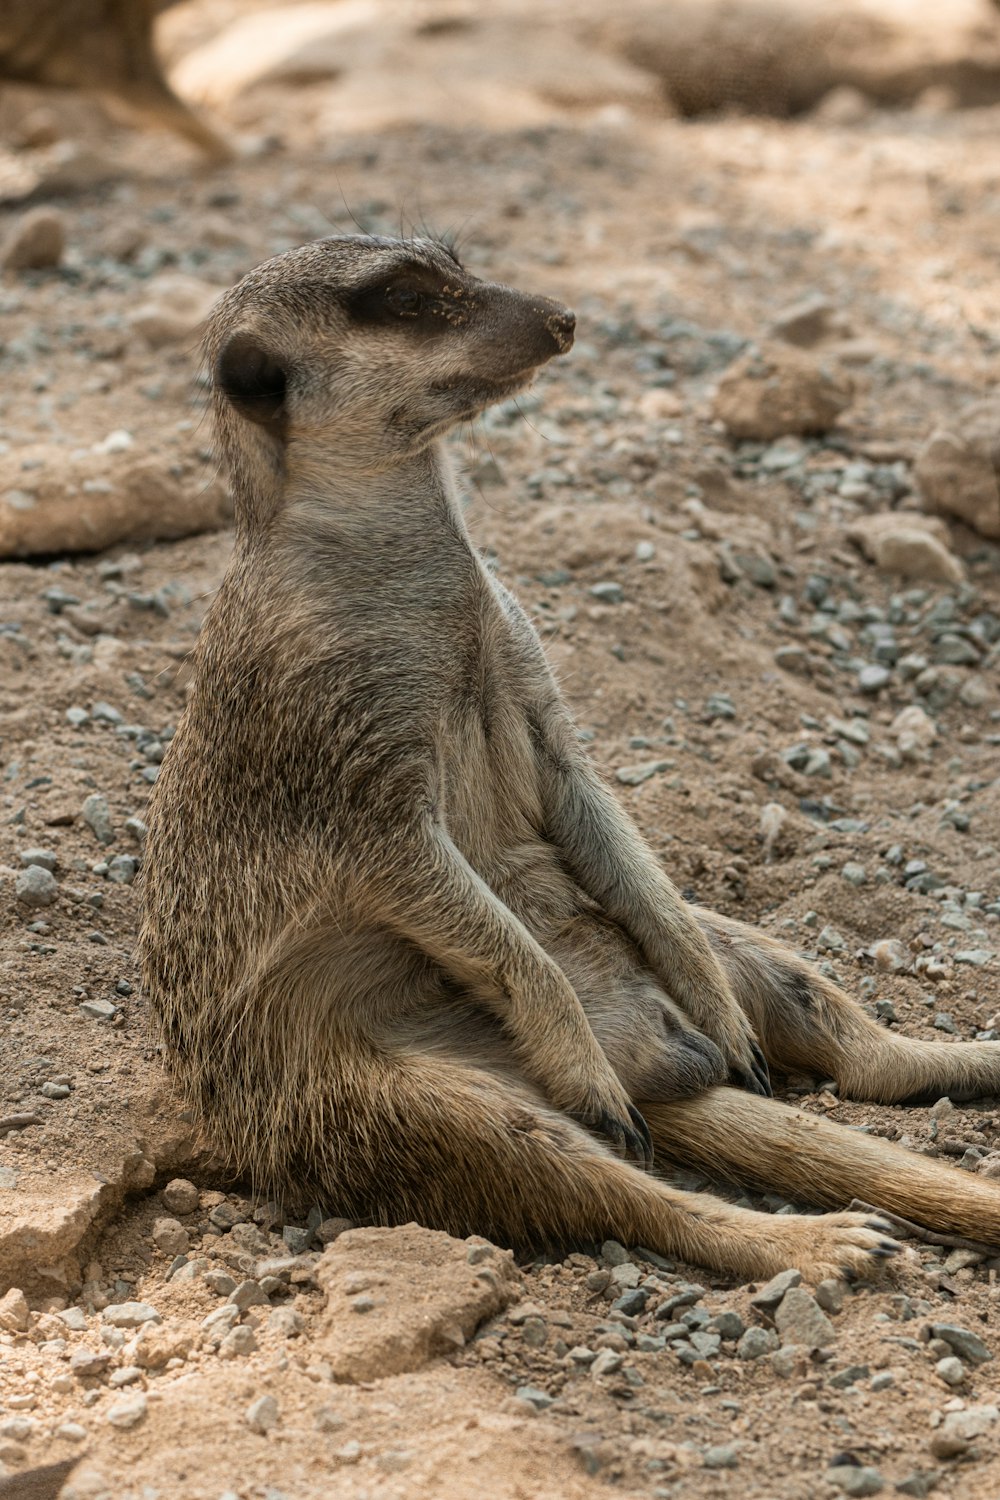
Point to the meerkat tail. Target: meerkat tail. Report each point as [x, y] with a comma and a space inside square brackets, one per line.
[805, 1021]
[764, 1144]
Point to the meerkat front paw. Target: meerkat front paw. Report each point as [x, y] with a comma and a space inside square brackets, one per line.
[608, 1113]
[734, 1037]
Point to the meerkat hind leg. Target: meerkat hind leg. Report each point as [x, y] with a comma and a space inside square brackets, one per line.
[764, 1144]
[806, 1022]
[470, 1151]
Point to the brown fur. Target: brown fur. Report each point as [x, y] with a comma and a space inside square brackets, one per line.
[407, 949]
[103, 47]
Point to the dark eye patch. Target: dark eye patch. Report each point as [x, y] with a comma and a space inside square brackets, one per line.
[408, 297]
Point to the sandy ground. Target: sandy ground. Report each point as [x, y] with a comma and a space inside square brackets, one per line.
[709, 615]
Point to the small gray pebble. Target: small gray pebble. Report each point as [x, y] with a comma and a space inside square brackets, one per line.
[45, 858]
[756, 1342]
[262, 1414]
[96, 813]
[35, 887]
[951, 1370]
[854, 1480]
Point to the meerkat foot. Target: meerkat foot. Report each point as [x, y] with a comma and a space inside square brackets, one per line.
[847, 1246]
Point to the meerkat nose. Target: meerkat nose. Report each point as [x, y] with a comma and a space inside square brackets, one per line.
[560, 325]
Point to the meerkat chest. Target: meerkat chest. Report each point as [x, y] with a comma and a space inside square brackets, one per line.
[492, 788]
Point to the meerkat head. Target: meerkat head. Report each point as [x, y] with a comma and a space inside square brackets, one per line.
[367, 349]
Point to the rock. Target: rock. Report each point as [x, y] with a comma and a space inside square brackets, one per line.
[286, 1322]
[122, 869]
[262, 1414]
[128, 1412]
[791, 1359]
[607, 1362]
[331, 1229]
[914, 732]
[14, 1311]
[249, 1294]
[85, 501]
[97, 815]
[636, 775]
[217, 1323]
[872, 679]
[17, 1429]
[176, 308]
[36, 241]
[156, 1345]
[966, 1344]
[830, 1295]
[238, 1343]
[394, 1337]
[961, 1428]
[950, 1370]
[624, 1276]
[170, 1237]
[855, 1480]
[87, 1362]
[728, 1325]
[538, 1400]
[130, 1314]
[180, 1196]
[35, 888]
[722, 1456]
[767, 1299]
[99, 1010]
[45, 858]
[71, 1432]
[800, 1320]
[849, 1376]
[757, 1342]
[911, 545]
[805, 322]
[957, 468]
[769, 392]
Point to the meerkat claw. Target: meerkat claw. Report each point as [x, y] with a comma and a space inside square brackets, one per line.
[643, 1134]
[757, 1080]
[633, 1144]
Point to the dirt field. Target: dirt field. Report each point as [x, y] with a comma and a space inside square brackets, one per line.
[736, 660]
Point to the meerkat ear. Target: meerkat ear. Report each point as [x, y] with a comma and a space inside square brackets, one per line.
[253, 381]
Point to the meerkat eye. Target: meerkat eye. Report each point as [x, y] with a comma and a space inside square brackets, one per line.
[253, 380]
[404, 300]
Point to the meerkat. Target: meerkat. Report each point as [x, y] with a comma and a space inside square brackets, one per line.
[407, 950]
[103, 47]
